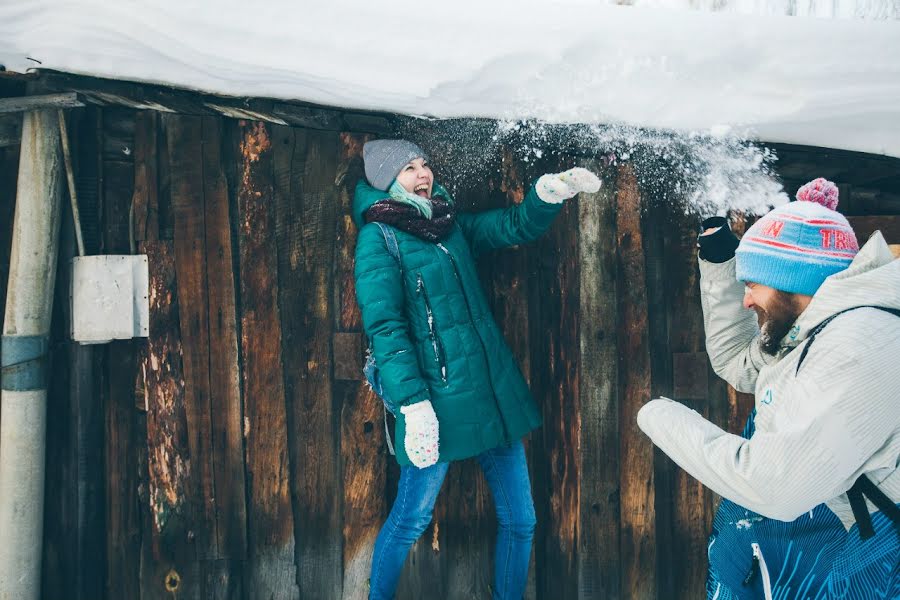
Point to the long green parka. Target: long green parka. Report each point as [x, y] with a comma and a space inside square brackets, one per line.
[431, 329]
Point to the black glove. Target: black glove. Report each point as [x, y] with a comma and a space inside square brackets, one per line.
[719, 246]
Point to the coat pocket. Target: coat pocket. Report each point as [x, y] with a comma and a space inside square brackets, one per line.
[437, 348]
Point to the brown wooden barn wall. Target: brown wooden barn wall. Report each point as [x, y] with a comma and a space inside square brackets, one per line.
[237, 454]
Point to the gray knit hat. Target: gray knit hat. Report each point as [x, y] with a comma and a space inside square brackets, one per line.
[383, 160]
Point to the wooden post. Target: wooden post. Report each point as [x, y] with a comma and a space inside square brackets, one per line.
[125, 434]
[306, 203]
[598, 528]
[270, 540]
[26, 329]
[638, 518]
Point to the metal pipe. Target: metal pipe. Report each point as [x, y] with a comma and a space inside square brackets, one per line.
[26, 331]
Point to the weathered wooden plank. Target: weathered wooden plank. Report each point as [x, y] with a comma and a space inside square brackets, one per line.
[655, 223]
[692, 502]
[224, 380]
[690, 371]
[271, 572]
[10, 130]
[164, 183]
[555, 357]
[349, 356]
[363, 450]
[60, 554]
[308, 117]
[87, 521]
[19, 104]
[123, 435]
[184, 139]
[223, 580]
[740, 406]
[306, 203]
[145, 202]
[117, 142]
[143, 96]
[460, 535]
[75, 543]
[638, 537]
[598, 526]
[368, 122]
[505, 274]
[168, 543]
[88, 176]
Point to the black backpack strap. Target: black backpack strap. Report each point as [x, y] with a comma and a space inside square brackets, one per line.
[863, 488]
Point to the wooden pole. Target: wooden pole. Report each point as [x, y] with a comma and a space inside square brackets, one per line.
[70, 176]
[26, 330]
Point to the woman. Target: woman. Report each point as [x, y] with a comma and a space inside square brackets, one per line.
[443, 367]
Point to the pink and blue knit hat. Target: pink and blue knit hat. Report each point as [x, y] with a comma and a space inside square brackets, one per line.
[795, 247]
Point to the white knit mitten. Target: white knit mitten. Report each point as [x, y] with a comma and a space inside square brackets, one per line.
[421, 441]
[553, 188]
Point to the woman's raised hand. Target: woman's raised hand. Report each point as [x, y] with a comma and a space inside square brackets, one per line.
[421, 440]
[553, 188]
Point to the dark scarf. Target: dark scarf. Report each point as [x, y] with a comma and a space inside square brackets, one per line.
[406, 218]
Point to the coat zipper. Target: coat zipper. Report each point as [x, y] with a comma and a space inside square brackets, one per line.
[760, 561]
[481, 341]
[432, 332]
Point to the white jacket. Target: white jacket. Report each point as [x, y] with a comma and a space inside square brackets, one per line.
[818, 430]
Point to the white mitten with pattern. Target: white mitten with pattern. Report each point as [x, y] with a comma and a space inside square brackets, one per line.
[553, 188]
[421, 441]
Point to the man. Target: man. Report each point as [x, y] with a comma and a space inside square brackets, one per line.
[796, 313]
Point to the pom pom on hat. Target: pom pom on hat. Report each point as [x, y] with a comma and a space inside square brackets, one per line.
[821, 191]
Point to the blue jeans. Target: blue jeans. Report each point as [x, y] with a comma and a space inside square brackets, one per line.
[507, 475]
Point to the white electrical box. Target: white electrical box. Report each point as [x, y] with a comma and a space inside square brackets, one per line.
[110, 298]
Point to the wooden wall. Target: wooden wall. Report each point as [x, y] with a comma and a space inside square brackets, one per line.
[237, 455]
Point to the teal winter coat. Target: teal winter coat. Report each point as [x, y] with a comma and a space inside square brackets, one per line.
[431, 330]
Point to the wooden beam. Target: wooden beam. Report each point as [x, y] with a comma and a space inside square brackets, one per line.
[147, 96]
[27, 103]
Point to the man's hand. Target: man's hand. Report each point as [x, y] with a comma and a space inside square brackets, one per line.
[717, 243]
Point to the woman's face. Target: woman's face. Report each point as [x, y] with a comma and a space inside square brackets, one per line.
[416, 177]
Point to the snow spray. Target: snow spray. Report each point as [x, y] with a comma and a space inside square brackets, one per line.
[704, 173]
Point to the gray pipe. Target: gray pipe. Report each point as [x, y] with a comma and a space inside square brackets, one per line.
[23, 381]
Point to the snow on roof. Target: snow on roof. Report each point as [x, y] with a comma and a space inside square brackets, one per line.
[832, 82]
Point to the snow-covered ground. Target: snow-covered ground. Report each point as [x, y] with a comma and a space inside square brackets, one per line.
[669, 64]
